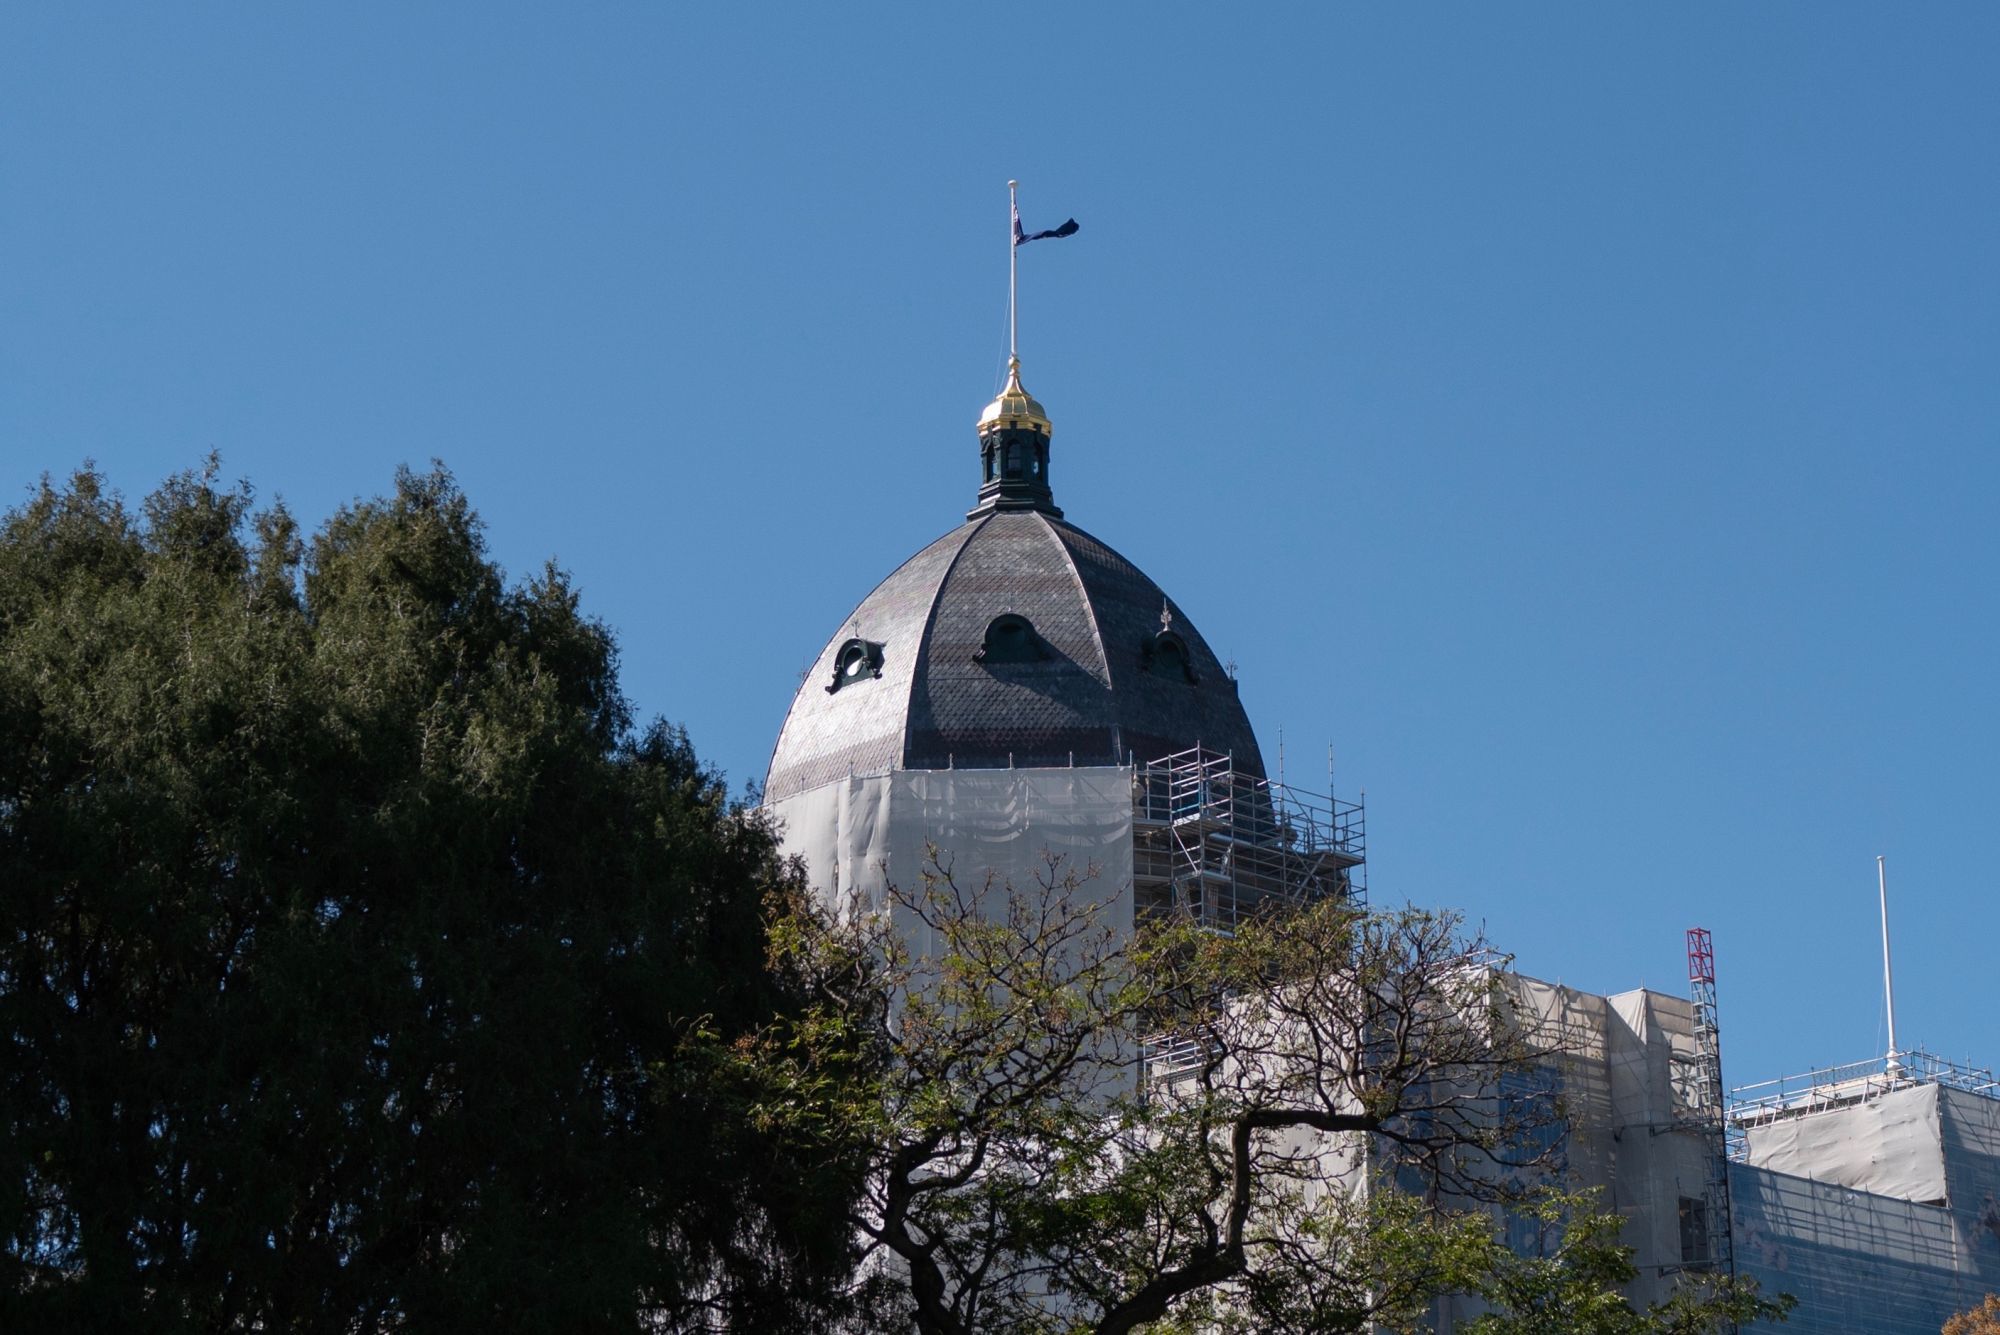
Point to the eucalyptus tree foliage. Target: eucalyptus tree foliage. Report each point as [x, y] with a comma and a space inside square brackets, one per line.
[1299, 1127]
[359, 959]
[1570, 1283]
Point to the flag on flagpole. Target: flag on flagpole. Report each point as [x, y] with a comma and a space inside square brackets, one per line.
[1022, 238]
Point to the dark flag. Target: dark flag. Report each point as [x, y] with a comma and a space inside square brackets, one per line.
[1022, 238]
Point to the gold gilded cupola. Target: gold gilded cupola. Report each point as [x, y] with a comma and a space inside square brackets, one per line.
[1014, 435]
[1014, 406]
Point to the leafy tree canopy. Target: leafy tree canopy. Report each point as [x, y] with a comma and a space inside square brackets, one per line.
[1304, 1126]
[355, 948]
[1572, 1284]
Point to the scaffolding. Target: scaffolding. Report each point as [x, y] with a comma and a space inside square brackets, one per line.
[1223, 846]
[1869, 1190]
[1708, 1240]
[1830, 1087]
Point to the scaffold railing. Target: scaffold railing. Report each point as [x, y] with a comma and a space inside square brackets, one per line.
[1219, 844]
[1855, 1082]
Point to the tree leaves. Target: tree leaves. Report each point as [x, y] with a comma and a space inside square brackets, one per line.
[351, 938]
[1981, 1320]
[1305, 1126]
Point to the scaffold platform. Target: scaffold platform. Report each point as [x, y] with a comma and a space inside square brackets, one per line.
[1221, 845]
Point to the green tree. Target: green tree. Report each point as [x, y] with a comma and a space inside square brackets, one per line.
[359, 959]
[1571, 1284]
[1301, 1127]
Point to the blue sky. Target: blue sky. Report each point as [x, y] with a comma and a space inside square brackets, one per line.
[1582, 417]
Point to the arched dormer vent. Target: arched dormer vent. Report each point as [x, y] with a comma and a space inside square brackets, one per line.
[858, 661]
[1165, 654]
[1011, 638]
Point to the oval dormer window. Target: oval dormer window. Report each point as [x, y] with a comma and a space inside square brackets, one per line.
[856, 661]
[1010, 638]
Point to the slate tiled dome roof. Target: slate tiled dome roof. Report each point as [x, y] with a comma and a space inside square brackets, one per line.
[1014, 639]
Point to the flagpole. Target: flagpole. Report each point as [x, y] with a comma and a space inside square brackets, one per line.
[1013, 264]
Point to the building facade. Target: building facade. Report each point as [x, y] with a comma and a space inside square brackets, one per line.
[1022, 699]
[1018, 701]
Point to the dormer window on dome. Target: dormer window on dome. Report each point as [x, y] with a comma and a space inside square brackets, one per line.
[1166, 654]
[857, 661]
[1020, 641]
[1011, 638]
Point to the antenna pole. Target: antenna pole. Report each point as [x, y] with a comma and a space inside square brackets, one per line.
[1013, 264]
[1895, 1066]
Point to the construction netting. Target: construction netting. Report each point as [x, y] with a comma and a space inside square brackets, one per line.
[1859, 1264]
[1632, 1135]
[1022, 827]
[1882, 1216]
[1879, 1209]
[1626, 1133]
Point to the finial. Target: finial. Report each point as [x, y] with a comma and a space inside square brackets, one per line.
[1166, 616]
[1014, 406]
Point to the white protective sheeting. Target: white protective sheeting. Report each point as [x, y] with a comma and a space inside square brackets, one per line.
[1891, 1145]
[1611, 1061]
[859, 836]
[1660, 1158]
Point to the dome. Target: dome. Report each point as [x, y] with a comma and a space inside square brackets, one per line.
[1014, 640]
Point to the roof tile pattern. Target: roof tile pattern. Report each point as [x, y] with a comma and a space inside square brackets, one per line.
[859, 729]
[1158, 713]
[1089, 698]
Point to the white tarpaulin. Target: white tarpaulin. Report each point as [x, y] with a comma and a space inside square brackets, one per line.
[1022, 826]
[1890, 1145]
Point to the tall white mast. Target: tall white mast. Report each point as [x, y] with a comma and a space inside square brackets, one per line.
[1895, 1064]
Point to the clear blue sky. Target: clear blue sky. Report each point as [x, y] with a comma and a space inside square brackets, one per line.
[1582, 416]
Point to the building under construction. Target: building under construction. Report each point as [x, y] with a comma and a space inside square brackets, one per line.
[1869, 1192]
[1188, 832]
[1017, 702]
